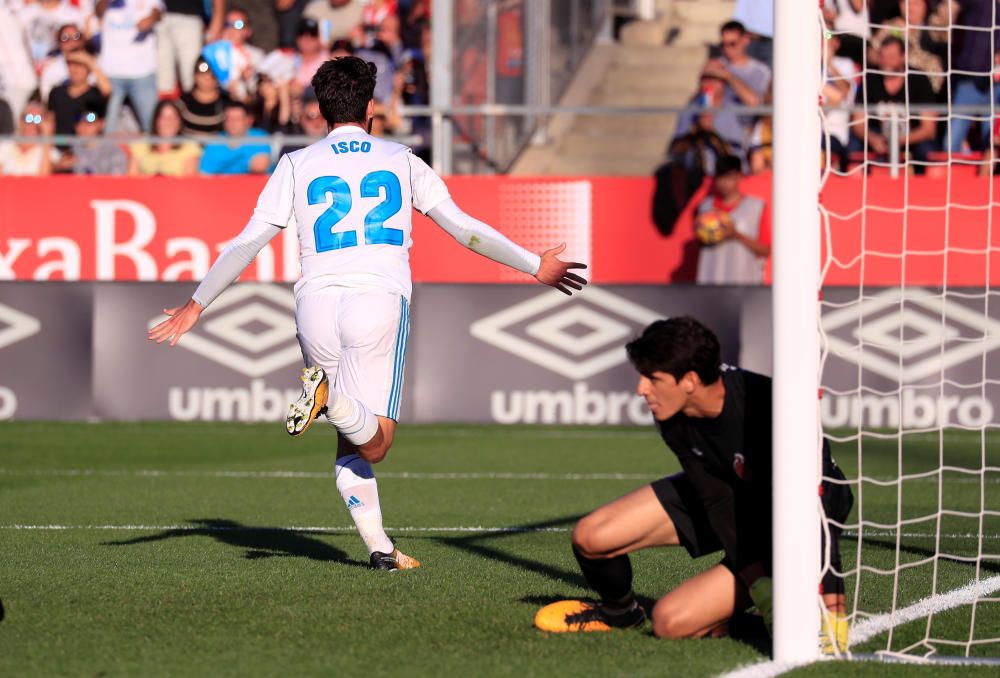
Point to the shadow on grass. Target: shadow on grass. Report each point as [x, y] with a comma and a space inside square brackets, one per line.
[485, 545]
[259, 542]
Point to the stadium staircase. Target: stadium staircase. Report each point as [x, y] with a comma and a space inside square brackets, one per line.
[653, 63]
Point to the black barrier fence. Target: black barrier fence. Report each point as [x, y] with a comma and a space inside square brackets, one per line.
[482, 353]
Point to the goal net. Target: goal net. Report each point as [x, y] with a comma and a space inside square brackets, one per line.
[910, 321]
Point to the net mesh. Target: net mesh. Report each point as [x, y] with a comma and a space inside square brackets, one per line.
[910, 379]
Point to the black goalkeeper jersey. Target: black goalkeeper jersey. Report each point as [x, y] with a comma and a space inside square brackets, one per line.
[728, 461]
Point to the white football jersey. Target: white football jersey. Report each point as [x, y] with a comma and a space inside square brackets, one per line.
[349, 196]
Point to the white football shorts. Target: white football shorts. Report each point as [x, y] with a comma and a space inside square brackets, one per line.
[359, 337]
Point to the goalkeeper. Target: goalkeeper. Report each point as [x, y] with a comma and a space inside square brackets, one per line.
[717, 420]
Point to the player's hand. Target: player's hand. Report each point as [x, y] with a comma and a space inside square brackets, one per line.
[182, 319]
[555, 272]
[762, 595]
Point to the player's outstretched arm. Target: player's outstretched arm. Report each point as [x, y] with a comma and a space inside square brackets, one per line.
[555, 272]
[227, 268]
[547, 268]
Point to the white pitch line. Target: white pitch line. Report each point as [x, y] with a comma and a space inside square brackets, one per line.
[763, 669]
[965, 595]
[404, 475]
[922, 535]
[399, 475]
[869, 628]
[288, 528]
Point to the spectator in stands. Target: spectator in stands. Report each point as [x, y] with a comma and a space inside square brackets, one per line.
[971, 65]
[376, 11]
[927, 50]
[272, 106]
[311, 55]
[25, 158]
[760, 145]
[67, 101]
[881, 11]
[758, 18]
[165, 157]
[288, 14]
[412, 89]
[388, 33]
[310, 123]
[243, 57]
[335, 19]
[54, 70]
[850, 19]
[723, 123]
[18, 79]
[202, 108]
[339, 48]
[889, 92]
[415, 20]
[692, 156]
[6, 118]
[129, 56]
[263, 19]
[237, 158]
[991, 161]
[379, 53]
[179, 36]
[746, 79]
[839, 90]
[41, 21]
[746, 244]
[98, 155]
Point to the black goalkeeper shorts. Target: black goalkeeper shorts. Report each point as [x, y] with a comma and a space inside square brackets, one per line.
[687, 511]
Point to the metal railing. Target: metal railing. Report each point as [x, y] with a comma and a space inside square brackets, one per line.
[894, 117]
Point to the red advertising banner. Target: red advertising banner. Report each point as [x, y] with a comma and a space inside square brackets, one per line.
[109, 228]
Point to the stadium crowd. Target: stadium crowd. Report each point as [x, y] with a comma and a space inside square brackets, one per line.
[130, 76]
[891, 69]
[890, 56]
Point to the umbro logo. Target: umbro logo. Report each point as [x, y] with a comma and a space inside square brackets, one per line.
[908, 336]
[15, 326]
[249, 329]
[353, 503]
[576, 337]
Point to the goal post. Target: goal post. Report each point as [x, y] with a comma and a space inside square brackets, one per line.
[796, 274]
[904, 341]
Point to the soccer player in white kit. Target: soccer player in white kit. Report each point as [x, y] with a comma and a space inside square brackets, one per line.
[348, 196]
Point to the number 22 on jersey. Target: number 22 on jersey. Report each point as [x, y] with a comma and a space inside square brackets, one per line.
[340, 193]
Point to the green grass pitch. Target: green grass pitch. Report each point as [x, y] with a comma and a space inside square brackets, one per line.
[186, 583]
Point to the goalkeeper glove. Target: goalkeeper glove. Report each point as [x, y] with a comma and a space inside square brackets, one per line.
[762, 595]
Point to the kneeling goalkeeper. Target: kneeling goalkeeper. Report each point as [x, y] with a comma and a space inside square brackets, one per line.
[717, 420]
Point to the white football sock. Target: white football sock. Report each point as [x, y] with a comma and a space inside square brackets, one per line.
[354, 421]
[356, 483]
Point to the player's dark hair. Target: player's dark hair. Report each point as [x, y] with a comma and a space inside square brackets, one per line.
[677, 346]
[344, 86]
[733, 26]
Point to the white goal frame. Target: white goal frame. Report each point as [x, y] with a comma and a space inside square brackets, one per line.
[796, 257]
